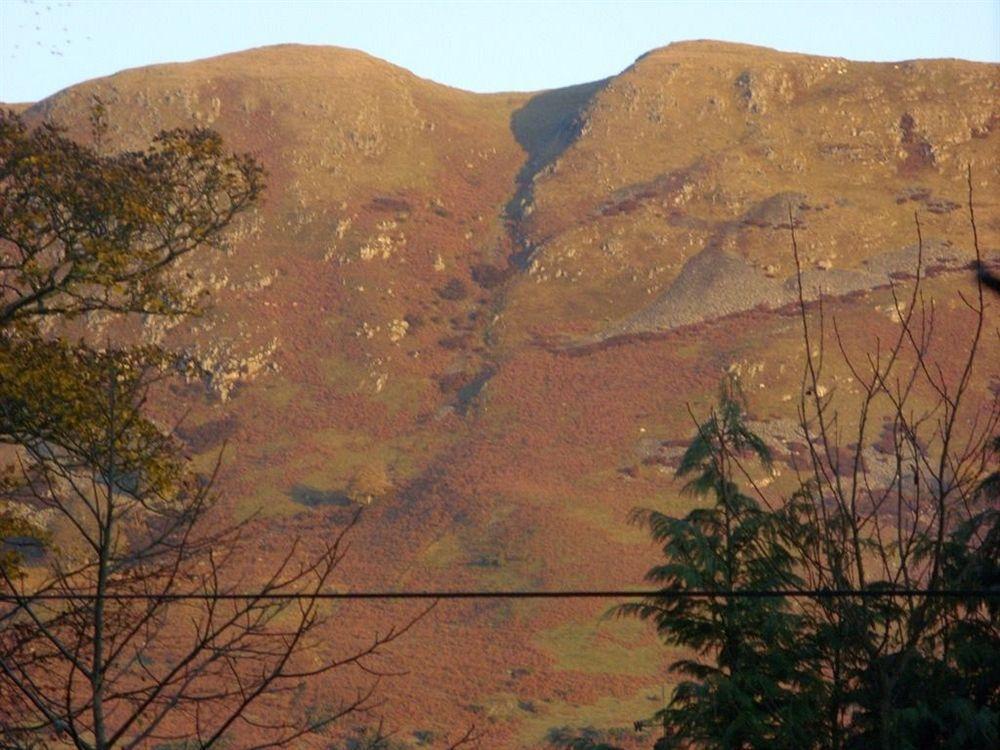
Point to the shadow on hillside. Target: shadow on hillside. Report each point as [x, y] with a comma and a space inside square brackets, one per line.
[311, 497]
[545, 127]
[211, 434]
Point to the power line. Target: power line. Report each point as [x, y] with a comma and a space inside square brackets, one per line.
[516, 594]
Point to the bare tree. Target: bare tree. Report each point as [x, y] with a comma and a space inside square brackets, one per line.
[141, 629]
[890, 544]
[885, 485]
[84, 231]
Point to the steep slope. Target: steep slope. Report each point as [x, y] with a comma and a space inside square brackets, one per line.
[703, 147]
[395, 300]
[384, 192]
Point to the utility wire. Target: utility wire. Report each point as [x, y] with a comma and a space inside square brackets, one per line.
[515, 594]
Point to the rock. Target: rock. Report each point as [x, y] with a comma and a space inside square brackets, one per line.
[398, 329]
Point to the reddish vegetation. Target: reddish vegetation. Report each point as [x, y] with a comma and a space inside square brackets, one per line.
[407, 335]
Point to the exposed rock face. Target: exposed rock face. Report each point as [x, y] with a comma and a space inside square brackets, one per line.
[222, 366]
[415, 288]
[703, 146]
[714, 283]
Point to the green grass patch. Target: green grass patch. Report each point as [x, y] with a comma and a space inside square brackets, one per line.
[606, 521]
[268, 500]
[280, 392]
[606, 647]
[443, 552]
[605, 713]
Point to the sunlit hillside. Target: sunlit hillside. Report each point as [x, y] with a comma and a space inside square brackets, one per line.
[510, 305]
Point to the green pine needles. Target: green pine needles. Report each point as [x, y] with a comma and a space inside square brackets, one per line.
[830, 672]
[743, 686]
[896, 474]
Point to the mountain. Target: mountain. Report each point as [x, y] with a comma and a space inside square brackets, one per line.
[509, 302]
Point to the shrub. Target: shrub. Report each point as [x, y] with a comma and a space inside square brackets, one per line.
[453, 290]
[370, 482]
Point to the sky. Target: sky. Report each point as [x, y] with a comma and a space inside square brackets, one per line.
[47, 45]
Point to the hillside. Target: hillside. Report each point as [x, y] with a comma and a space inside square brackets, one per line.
[509, 300]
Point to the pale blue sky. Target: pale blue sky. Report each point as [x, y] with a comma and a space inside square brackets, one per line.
[46, 45]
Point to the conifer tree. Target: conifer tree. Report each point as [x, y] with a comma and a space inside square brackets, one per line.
[745, 688]
[897, 644]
